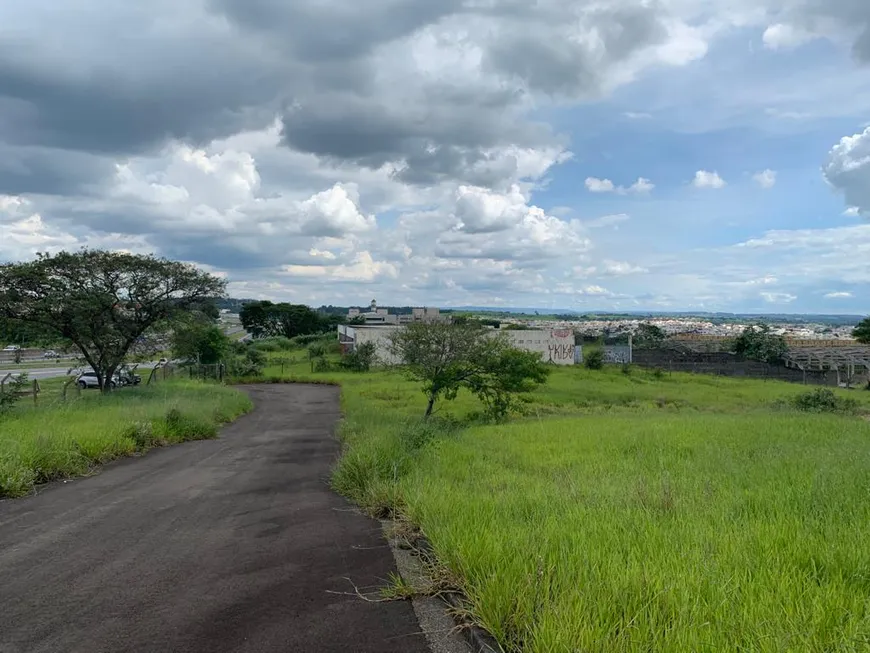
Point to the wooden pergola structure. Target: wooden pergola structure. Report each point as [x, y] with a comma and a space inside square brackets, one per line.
[848, 362]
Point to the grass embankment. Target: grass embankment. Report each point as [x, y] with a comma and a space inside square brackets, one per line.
[58, 439]
[629, 512]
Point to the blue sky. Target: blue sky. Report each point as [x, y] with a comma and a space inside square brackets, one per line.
[678, 155]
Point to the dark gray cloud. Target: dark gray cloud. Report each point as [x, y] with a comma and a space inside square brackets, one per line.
[118, 79]
[570, 50]
[318, 31]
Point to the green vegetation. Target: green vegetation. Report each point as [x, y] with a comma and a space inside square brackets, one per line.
[103, 302]
[58, 439]
[446, 358]
[201, 342]
[757, 342]
[266, 319]
[628, 512]
[861, 333]
[593, 358]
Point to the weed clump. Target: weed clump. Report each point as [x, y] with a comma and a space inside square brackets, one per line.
[593, 359]
[824, 400]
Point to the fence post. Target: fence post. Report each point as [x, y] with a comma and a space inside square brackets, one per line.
[35, 390]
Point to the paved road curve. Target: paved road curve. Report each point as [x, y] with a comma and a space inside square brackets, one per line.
[225, 545]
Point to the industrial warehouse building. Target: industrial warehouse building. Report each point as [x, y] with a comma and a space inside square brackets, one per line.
[554, 345]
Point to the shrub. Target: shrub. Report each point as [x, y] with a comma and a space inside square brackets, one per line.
[321, 365]
[361, 358]
[316, 350]
[626, 369]
[824, 400]
[593, 359]
[301, 341]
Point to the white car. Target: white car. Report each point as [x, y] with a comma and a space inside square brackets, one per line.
[11, 348]
[89, 380]
[51, 354]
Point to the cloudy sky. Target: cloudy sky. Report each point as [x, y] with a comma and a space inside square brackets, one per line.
[579, 154]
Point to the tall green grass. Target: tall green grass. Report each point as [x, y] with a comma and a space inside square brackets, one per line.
[630, 512]
[656, 533]
[59, 439]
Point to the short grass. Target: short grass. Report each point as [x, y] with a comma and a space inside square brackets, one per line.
[628, 512]
[56, 439]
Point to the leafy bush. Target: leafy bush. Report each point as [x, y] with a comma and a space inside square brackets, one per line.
[301, 341]
[321, 365]
[361, 358]
[824, 400]
[593, 358]
[316, 350]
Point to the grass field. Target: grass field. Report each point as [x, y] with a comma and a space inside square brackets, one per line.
[629, 512]
[56, 439]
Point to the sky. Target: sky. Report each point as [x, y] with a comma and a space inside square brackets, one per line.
[626, 155]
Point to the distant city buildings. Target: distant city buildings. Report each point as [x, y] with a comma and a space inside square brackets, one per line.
[375, 316]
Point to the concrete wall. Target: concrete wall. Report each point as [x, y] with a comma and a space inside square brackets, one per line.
[554, 345]
[355, 336]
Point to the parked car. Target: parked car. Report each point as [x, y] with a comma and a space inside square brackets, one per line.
[161, 362]
[89, 380]
[12, 348]
[51, 353]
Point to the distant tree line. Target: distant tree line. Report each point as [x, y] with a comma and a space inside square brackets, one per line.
[264, 319]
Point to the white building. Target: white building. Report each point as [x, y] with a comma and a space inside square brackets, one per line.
[554, 345]
[381, 316]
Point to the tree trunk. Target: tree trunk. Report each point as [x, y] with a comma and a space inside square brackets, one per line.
[106, 382]
[430, 406]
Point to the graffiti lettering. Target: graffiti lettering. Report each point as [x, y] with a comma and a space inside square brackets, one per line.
[561, 352]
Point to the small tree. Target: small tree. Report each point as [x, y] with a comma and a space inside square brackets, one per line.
[203, 343]
[758, 343]
[507, 372]
[861, 332]
[103, 302]
[448, 357]
[648, 336]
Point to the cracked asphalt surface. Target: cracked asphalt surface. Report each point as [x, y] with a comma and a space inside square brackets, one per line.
[235, 544]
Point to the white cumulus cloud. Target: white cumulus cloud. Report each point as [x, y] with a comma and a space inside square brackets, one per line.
[706, 179]
[595, 185]
[783, 36]
[848, 170]
[765, 179]
[838, 295]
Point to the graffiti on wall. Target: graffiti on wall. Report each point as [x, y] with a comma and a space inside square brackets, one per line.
[561, 352]
[617, 354]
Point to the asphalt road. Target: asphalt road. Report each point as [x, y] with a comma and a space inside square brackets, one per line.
[235, 544]
[44, 373]
[53, 372]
